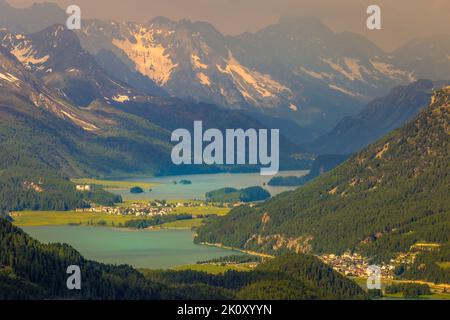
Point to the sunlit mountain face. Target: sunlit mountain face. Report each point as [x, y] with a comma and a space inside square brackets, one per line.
[297, 68]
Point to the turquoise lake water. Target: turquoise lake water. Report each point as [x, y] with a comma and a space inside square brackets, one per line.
[167, 190]
[140, 249]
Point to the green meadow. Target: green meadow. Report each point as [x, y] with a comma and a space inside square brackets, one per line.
[58, 218]
[54, 218]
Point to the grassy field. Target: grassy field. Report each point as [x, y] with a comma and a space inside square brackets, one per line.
[116, 184]
[214, 268]
[52, 218]
[202, 210]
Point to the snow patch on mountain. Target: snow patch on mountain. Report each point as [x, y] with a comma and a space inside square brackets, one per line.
[317, 75]
[252, 84]
[356, 68]
[9, 78]
[204, 79]
[121, 98]
[197, 63]
[150, 59]
[391, 71]
[81, 123]
[347, 92]
[25, 53]
[351, 69]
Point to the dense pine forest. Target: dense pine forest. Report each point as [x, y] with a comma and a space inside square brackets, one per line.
[250, 194]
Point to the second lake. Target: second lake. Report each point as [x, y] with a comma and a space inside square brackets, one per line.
[166, 189]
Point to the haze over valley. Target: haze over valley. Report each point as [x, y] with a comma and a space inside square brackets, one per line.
[91, 118]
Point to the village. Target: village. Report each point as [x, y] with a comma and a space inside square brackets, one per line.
[355, 265]
[143, 209]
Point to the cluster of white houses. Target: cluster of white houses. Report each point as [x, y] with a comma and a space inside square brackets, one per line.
[146, 209]
[83, 187]
[129, 211]
[354, 265]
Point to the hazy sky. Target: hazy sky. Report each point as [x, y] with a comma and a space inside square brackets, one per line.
[402, 19]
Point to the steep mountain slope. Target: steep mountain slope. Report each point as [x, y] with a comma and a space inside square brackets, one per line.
[189, 60]
[377, 119]
[117, 68]
[55, 56]
[171, 114]
[381, 201]
[19, 82]
[31, 270]
[319, 65]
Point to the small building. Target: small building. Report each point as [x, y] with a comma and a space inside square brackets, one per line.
[83, 187]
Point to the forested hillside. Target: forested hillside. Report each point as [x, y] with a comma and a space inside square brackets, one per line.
[381, 201]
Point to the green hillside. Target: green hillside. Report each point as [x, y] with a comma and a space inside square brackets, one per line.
[38, 152]
[289, 277]
[381, 201]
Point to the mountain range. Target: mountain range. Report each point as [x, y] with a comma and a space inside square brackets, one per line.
[296, 68]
